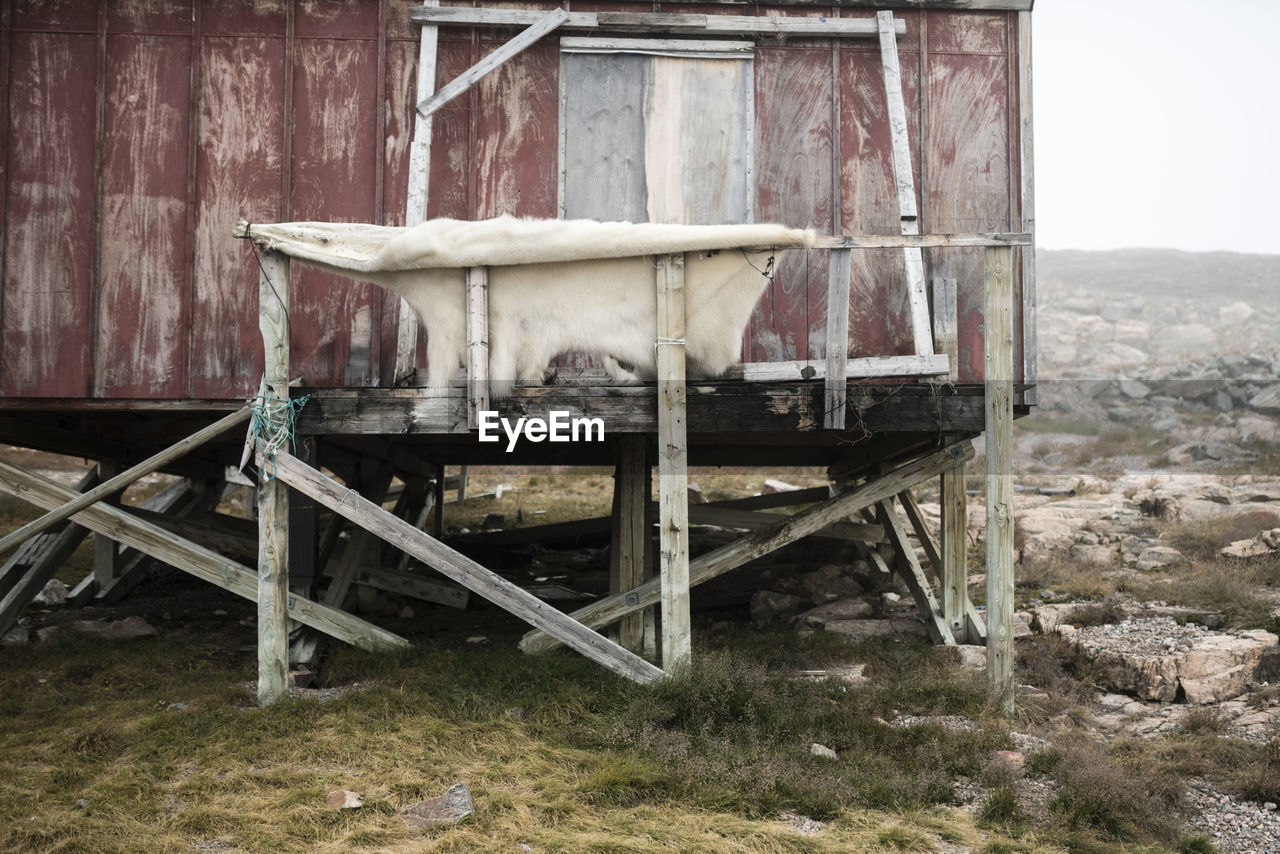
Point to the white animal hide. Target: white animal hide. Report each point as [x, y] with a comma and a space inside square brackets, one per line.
[604, 307]
[554, 286]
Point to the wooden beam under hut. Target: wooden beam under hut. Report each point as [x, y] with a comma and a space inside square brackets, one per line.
[206, 564]
[787, 530]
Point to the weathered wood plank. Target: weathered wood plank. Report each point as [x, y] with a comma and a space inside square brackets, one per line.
[754, 545]
[722, 408]
[945, 335]
[884, 366]
[594, 44]
[750, 520]
[273, 499]
[203, 563]
[419, 179]
[25, 574]
[924, 241]
[904, 179]
[463, 570]
[414, 585]
[627, 562]
[478, 345]
[740, 25]
[999, 446]
[955, 557]
[542, 24]
[1026, 159]
[837, 376]
[673, 460]
[913, 575]
[125, 478]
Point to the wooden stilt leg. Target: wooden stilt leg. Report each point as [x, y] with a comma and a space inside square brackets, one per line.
[273, 497]
[673, 481]
[628, 563]
[998, 321]
[955, 569]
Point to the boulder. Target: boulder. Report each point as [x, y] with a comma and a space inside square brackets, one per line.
[1268, 542]
[1220, 667]
[53, 593]
[766, 605]
[967, 656]
[453, 806]
[1267, 400]
[863, 629]
[1093, 555]
[1157, 557]
[842, 609]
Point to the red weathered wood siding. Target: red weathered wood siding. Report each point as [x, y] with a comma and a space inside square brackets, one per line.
[135, 132]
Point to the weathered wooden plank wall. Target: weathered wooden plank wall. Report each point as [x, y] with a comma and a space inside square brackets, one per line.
[134, 133]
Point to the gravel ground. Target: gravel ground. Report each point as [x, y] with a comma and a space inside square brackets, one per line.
[1233, 826]
[1144, 635]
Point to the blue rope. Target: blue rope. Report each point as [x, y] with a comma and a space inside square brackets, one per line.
[274, 420]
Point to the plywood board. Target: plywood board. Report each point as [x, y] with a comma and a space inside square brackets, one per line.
[239, 160]
[966, 159]
[794, 170]
[143, 325]
[50, 238]
[879, 310]
[332, 178]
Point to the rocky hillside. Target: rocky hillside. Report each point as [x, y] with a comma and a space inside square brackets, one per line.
[1181, 342]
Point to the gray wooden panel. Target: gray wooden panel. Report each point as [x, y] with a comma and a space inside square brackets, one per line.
[698, 155]
[603, 137]
[657, 138]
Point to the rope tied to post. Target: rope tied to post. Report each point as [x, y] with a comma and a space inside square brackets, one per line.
[274, 420]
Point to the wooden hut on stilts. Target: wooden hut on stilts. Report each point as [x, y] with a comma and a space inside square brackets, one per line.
[136, 135]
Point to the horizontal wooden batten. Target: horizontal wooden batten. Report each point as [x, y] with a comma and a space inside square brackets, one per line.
[642, 22]
[922, 241]
[881, 366]
[681, 47]
[712, 408]
[905, 5]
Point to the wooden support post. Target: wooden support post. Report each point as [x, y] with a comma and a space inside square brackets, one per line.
[627, 564]
[201, 562]
[905, 181]
[438, 527]
[836, 382]
[273, 498]
[106, 552]
[914, 577]
[788, 530]
[375, 480]
[998, 343]
[464, 477]
[954, 546]
[464, 570]
[478, 345]
[416, 201]
[673, 481]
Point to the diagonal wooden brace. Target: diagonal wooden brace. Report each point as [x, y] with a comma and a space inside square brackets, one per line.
[735, 554]
[462, 569]
[201, 562]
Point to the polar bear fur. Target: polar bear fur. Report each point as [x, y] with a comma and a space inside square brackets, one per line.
[604, 307]
[554, 286]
